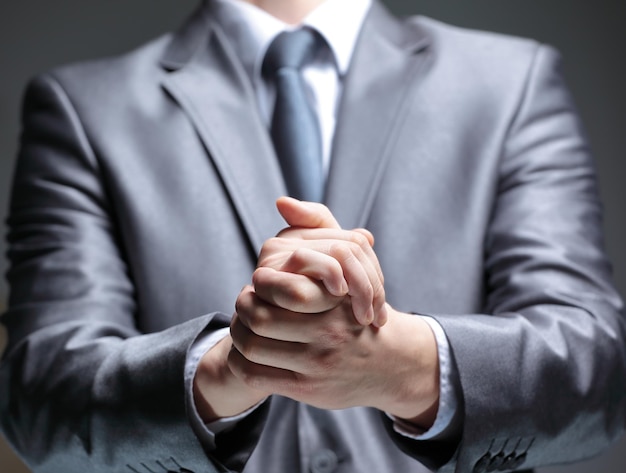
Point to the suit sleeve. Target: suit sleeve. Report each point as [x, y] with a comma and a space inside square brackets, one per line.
[542, 371]
[81, 389]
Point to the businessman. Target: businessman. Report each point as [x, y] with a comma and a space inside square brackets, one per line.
[449, 307]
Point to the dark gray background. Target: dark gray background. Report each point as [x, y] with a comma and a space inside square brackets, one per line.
[36, 35]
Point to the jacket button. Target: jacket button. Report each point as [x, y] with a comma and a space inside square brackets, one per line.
[496, 462]
[324, 461]
[509, 462]
[481, 464]
[518, 461]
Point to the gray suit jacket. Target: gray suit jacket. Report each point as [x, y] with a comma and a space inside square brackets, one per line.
[145, 187]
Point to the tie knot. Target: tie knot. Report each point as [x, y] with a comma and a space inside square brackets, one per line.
[290, 49]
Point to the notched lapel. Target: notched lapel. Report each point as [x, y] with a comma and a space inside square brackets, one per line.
[386, 66]
[210, 85]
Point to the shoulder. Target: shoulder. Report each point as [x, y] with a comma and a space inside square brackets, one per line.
[98, 77]
[485, 54]
[493, 66]
[101, 90]
[134, 72]
[464, 44]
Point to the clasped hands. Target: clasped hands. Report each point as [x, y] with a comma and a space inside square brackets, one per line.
[314, 326]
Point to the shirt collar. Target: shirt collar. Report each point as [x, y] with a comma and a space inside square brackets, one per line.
[251, 30]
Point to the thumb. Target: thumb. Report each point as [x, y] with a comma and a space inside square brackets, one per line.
[305, 214]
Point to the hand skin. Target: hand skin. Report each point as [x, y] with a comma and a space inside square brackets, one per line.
[330, 361]
[296, 333]
[342, 262]
[339, 259]
[217, 392]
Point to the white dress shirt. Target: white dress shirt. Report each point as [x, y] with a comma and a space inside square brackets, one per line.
[250, 31]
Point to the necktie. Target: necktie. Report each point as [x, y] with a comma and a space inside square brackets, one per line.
[295, 128]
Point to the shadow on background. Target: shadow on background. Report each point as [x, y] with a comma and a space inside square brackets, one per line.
[36, 35]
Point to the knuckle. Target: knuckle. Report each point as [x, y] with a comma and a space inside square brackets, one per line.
[239, 304]
[238, 365]
[300, 296]
[243, 343]
[258, 321]
[356, 250]
[298, 256]
[243, 302]
[359, 239]
[246, 349]
[257, 275]
[324, 362]
[331, 335]
[340, 250]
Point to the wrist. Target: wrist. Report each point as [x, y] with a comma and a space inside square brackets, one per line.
[414, 393]
[217, 392]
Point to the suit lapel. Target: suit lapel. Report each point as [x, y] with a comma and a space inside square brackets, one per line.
[208, 82]
[386, 64]
[210, 85]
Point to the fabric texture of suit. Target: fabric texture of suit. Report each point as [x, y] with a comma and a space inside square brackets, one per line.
[145, 187]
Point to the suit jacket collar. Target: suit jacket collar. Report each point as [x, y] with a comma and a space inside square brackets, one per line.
[186, 41]
[209, 83]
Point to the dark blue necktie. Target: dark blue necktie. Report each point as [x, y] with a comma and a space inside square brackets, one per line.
[295, 128]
